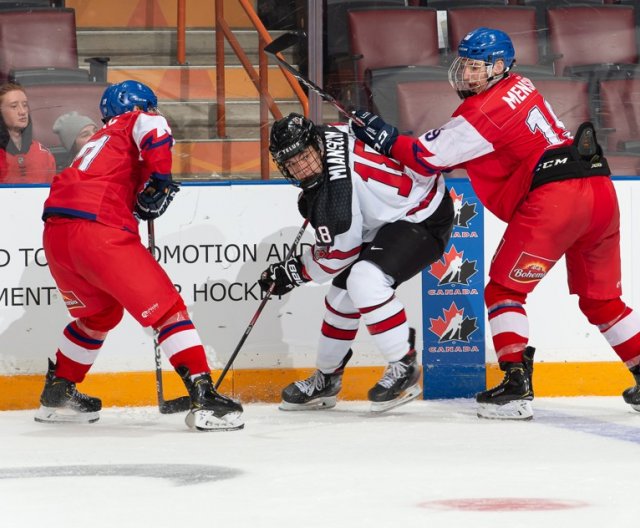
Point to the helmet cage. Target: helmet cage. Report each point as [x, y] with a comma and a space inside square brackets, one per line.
[478, 53]
[480, 79]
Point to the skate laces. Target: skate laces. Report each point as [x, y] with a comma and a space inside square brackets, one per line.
[316, 381]
[76, 395]
[395, 371]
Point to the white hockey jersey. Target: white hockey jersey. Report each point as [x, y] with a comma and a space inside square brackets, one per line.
[383, 191]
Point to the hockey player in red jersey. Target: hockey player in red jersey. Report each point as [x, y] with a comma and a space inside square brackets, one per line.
[100, 266]
[377, 224]
[553, 191]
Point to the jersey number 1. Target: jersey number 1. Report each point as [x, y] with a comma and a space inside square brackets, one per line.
[392, 177]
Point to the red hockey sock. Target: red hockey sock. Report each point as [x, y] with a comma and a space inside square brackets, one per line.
[76, 353]
[182, 345]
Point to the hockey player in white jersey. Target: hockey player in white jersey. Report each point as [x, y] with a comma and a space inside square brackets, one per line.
[377, 224]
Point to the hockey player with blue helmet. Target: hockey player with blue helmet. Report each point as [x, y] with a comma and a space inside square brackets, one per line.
[553, 191]
[122, 175]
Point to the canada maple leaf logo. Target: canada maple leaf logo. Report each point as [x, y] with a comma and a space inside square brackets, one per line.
[454, 326]
[463, 211]
[452, 268]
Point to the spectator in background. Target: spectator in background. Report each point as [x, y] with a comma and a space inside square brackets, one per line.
[27, 161]
[74, 131]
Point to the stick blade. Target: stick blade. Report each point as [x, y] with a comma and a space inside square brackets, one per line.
[284, 41]
[177, 405]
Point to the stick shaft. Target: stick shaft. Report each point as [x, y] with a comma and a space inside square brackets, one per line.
[255, 317]
[157, 354]
[287, 40]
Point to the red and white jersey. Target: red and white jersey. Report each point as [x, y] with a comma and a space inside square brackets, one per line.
[498, 136]
[111, 169]
[383, 191]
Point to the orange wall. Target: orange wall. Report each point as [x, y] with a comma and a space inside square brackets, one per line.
[138, 388]
[153, 13]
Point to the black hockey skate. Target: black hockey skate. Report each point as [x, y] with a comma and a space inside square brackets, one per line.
[209, 410]
[318, 391]
[61, 402]
[400, 383]
[511, 400]
[632, 394]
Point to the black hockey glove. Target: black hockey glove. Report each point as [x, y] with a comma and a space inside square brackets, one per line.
[154, 199]
[376, 133]
[284, 275]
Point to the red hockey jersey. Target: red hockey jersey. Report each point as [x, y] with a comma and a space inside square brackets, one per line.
[111, 169]
[498, 136]
[36, 165]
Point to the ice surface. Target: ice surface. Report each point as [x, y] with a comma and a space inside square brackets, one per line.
[428, 464]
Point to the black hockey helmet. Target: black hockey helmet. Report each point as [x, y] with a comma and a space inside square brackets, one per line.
[290, 136]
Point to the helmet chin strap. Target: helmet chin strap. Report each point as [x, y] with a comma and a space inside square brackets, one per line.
[311, 182]
[493, 79]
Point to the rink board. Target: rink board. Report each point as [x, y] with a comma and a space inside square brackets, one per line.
[216, 239]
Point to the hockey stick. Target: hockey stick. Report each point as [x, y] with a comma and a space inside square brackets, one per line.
[286, 40]
[254, 319]
[183, 403]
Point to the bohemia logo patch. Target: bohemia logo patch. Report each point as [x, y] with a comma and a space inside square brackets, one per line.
[463, 211]
[452, 269]
[454, 326]
[71, 300]
[530, 268]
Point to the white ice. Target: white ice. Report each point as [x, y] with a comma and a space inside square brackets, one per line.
[429, 464]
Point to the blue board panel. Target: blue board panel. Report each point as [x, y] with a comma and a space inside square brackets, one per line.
[453, 357]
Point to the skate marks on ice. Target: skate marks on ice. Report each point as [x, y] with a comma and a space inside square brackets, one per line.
[134, 422]
[355, 412]
[607, 417]
[178, 474]
[503, 504]
[606, 426]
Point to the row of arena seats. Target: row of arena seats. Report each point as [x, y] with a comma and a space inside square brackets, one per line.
[571, 44]
[337, 14]
[38, 50]
[427, 104]
[39, 45]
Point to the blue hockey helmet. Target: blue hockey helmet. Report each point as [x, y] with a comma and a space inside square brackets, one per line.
[474, 70]
[125, 97]
[487, 45]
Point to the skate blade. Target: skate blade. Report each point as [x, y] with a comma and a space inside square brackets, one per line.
[64, 415]
[514, 410]
[405, 397]
[318, 404]
[208, 421]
